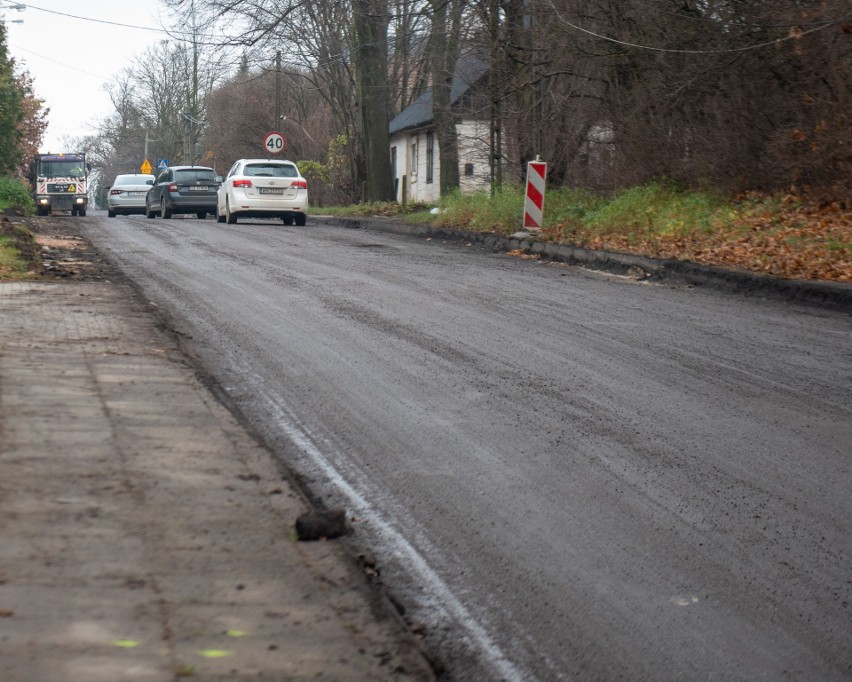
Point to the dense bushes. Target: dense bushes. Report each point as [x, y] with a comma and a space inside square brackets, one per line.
[14, 194]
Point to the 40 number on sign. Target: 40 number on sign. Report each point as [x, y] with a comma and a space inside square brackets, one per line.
[274, 143]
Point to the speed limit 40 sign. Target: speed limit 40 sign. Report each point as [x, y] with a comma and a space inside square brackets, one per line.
[274, 143]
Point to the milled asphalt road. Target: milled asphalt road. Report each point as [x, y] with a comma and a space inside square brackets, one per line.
[144, 534]
[580, 477]
[563, 474]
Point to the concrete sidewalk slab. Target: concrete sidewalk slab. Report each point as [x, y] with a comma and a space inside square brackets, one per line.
[144, 534]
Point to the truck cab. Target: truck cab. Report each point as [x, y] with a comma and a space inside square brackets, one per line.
[59, 182]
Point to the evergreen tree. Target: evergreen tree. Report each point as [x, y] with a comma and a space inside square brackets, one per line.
[11, 110]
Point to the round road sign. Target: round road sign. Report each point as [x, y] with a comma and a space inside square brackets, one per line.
[274, 143]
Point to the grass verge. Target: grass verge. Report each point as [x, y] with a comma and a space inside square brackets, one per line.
[20, 254]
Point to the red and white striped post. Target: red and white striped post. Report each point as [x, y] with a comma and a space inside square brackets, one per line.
[534, 202]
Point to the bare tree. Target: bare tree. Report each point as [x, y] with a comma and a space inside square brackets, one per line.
[726, 94]
[241, 113]
[316, 42]
[121, 147]
[718, 93]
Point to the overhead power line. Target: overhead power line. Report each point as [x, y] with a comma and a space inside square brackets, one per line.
[67, 66]
[105, 21]
[791, 36]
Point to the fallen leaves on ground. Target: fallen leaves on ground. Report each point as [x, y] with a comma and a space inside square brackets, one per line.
[803, 241]
[520, 253]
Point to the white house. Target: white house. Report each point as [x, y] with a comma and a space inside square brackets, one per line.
[414, 146]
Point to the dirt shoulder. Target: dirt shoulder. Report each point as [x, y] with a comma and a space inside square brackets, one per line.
[66, 254]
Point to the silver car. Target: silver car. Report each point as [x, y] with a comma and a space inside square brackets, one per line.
[127, 194]
[263, 188]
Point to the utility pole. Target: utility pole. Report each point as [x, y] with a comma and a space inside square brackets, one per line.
[191, 117]
[275, 123]
[190, 123]
[147, 140]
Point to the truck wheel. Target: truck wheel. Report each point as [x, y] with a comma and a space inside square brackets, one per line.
[41, 211]
[201, 215]
[166, 213]
[110, 214]
[73, 210]
[81, 212]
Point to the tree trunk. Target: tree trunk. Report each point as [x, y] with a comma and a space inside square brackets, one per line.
[444, 54]
[370, 58]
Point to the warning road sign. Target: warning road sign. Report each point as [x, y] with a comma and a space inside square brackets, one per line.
[146, 167]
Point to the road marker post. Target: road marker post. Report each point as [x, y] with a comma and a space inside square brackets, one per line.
[534, 202]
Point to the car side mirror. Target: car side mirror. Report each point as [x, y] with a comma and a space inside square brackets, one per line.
[108, 187]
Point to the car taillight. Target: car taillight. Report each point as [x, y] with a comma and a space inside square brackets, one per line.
[242, 183]
[299, 184]
[114, 191]
[173, 187]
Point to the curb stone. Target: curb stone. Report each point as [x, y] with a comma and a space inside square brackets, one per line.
[832, 295]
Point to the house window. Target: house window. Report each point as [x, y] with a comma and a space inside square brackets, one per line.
[412, 160]
[430, 156]
[468, 169]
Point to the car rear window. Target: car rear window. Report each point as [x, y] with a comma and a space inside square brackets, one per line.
[133, 179]
[190, 176]
[274, 170]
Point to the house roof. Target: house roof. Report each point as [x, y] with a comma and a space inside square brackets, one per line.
[469, 70]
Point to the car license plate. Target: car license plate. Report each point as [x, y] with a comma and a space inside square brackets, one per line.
[198, 188]
[271, 190]
[136, 194]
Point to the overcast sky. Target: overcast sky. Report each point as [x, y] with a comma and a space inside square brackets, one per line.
[71, 52]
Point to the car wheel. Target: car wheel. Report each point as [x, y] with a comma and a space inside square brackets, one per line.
[149, 212]
[230, 218]
[201, 215]
[166, 213]
[110, 214]
[219, 217]
[287, 220]
[301, 219]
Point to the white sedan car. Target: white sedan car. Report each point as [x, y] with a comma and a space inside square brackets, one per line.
[263, 188]
[127, 194]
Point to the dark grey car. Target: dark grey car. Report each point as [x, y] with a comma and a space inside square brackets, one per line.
[183, 189]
